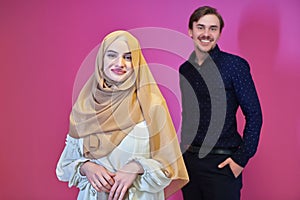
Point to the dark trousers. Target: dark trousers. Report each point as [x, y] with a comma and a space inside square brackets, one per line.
[207, 181]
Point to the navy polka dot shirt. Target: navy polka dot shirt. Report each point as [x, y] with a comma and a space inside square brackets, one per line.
[239, 90]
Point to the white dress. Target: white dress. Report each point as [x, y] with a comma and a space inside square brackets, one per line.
[135, 146]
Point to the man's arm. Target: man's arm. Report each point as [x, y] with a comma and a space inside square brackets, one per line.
[248, 99]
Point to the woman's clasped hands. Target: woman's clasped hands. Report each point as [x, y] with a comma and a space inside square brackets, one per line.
[116, 184]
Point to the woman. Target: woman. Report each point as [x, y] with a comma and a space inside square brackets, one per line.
[121, 143]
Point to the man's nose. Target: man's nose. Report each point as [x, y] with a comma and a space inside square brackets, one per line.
[206, 31]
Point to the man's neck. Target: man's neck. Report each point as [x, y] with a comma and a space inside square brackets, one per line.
[200, 57]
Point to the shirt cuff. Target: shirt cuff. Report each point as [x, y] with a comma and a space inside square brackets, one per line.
[240, 157]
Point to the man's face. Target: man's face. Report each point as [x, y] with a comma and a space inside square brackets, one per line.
[205, 33]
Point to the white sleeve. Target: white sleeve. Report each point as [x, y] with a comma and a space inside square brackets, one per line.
[67, 168]
[153, 179]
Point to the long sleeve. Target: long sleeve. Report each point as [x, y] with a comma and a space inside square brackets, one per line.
[135, 147]
[67, 169]
[248, 99]
[153, 179]
[68, 165]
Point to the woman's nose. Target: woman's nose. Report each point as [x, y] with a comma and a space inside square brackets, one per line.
[121, 61]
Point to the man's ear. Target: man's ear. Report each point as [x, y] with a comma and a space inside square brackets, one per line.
[219, 35]
[190, 33]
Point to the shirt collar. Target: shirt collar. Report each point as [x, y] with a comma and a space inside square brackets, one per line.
[214, 53]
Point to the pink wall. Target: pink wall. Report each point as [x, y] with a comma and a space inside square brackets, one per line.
[42, 46]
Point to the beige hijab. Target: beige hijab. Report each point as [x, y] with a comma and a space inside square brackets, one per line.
[105, 112]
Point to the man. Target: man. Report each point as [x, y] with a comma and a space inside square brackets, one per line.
[214, 84]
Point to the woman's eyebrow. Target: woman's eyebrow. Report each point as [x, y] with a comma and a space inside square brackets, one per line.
[111, 51]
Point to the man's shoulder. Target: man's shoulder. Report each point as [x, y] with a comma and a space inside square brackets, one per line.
[231, 61]
[234, 58]
[185, 67]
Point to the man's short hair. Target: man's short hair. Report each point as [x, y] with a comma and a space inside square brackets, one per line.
[205, 10]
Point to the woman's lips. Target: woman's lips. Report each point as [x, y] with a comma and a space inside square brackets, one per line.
[118, 71]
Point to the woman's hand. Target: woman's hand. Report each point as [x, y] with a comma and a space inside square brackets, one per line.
[124, 179]
[100, 178]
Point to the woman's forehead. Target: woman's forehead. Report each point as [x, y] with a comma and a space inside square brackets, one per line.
[119, 45]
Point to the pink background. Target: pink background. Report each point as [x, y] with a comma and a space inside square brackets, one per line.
[42, 46]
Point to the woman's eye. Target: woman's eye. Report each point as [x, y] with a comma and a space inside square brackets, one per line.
[111, 55]
[127, 57]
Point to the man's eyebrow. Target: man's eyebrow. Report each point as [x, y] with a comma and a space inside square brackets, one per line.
[211, 26]
[200, 25]
[214, 26]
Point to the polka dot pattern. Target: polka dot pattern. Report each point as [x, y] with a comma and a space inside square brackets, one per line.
[240, 92]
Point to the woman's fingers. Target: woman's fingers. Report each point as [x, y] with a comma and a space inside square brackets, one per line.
[99, 186]
[117, 192]
[122, 193]
[109, 177]
[100, 178]
[104, 183]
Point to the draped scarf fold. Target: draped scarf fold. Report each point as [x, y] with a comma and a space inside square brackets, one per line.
[105, 112]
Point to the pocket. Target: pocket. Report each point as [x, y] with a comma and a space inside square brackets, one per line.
[229, 172]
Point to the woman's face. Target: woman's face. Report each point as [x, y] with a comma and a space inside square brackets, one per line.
[117, 65]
